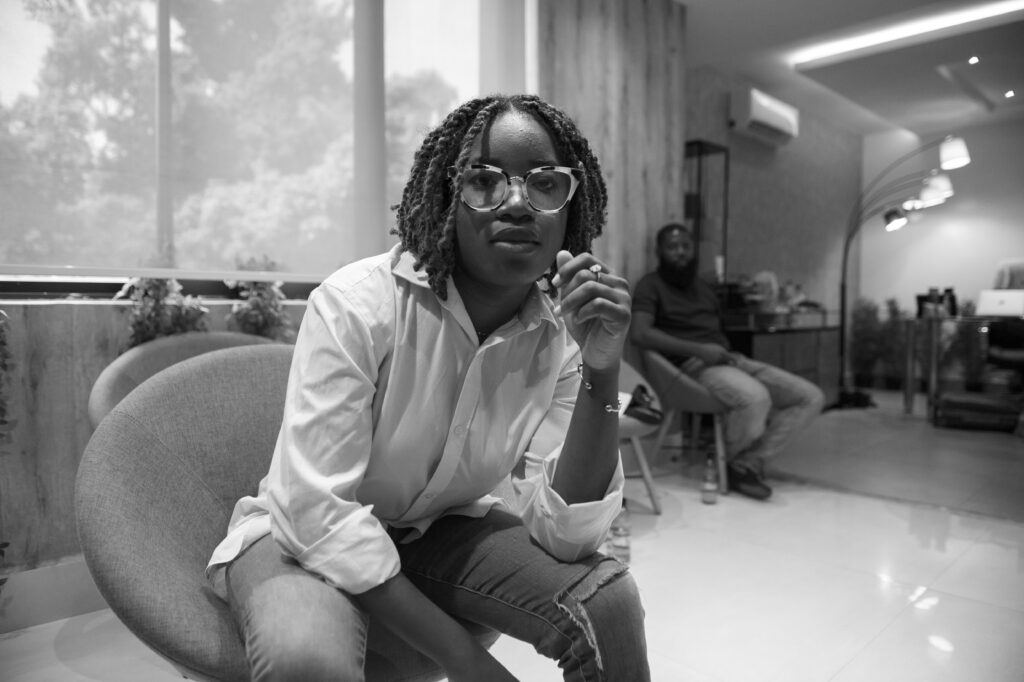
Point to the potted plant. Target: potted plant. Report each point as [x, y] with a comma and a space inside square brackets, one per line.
[893, 338]
[966, 349]
[160, 309]
[259, 306]
[865, 341]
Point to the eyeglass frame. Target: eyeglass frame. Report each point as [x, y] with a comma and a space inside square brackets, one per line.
[575, 178]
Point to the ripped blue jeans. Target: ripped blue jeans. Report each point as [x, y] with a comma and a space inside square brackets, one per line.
[585, 615]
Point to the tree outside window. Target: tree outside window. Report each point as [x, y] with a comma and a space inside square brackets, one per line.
[261, 135]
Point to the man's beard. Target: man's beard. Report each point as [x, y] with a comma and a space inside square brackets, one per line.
[680, 276]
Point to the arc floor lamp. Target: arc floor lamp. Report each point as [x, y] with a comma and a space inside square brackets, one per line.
[881, 197]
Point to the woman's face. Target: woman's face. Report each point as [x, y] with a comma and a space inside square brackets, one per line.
[512, 245]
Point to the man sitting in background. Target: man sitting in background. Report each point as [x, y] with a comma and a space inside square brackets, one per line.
[677, 314]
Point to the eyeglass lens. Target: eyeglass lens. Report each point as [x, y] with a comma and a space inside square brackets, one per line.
[546, 190]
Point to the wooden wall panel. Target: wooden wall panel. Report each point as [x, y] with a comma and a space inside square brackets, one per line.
[57, 352]
[58, 349]
[618, 68]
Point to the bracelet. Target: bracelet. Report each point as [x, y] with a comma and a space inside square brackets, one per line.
[586, 384]
[608, 407]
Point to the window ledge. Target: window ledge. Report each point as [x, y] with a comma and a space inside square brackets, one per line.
[24, 282]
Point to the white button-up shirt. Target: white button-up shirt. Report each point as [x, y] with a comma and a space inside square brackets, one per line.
[395, 415]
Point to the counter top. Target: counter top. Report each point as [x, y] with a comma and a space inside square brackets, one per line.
[741, 320]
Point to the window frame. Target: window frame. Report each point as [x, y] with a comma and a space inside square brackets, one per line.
[23, 282]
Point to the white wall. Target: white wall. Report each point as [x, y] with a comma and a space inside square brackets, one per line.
[959, 243]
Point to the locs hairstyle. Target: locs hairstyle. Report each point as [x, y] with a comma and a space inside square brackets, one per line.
[426, 216]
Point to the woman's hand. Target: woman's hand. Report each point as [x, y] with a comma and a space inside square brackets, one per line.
[596, 307]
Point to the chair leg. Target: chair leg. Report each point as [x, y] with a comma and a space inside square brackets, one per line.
[666, 424]
[720, 458]
[645, 471]
[695, 424]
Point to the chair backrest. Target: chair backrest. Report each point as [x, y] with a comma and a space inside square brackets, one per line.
[676, 389]
[629, 379]
[156, 487]
[137, 364]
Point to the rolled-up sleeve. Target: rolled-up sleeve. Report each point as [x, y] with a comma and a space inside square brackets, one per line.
[323, 449]
[567, 531]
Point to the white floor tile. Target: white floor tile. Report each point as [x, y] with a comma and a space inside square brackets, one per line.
[743, 612]
[952, 639]
[909, 543]
[95, 646]
[992, 570]
[816, 585]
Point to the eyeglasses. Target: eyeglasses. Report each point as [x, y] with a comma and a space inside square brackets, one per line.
[547, 188]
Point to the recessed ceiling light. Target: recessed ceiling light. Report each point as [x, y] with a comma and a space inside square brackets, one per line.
[908, 29]
[1009, 94]
[973, 60]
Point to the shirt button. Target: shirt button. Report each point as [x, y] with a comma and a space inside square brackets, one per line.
[429, 496]
[460, 431]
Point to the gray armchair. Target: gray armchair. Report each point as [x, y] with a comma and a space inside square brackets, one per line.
[631, 430]
[155, 489]
[137, 364]
[682, 395]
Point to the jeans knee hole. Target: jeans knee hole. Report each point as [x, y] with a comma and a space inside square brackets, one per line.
[573, 601]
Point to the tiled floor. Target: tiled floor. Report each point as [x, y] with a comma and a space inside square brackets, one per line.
[815, 585]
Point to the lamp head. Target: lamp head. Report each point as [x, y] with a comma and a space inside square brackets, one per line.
[940, 184]
[953, 153]
[937, 188]
[895, 218]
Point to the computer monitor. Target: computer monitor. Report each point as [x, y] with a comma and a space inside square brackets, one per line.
[1001, 303]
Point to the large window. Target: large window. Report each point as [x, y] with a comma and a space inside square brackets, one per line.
[254, 163]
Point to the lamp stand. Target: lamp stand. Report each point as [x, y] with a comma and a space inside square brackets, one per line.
[870, 203]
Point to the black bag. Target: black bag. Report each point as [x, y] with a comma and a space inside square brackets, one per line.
[640, 406]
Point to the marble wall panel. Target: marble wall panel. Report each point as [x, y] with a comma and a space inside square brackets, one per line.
[788, 205]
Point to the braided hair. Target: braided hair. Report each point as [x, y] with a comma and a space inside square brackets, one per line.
[426, 215]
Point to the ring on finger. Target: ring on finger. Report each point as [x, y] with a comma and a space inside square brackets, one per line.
[597, 269]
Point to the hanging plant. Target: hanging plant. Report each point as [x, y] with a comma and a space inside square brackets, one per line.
[160, 309]
[259, 306]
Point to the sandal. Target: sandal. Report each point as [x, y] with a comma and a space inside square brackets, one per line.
[640, 406]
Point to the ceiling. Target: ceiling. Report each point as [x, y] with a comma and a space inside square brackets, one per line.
[923, 83]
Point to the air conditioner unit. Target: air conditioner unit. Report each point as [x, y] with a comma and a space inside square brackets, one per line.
[761, 116]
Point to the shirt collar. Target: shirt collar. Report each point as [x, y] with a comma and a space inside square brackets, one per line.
[538, 307]
[402, 265]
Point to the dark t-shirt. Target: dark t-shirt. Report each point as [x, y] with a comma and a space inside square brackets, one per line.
[690, 314]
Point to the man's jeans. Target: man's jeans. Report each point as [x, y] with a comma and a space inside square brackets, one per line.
[586, 615]
[767, 406]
